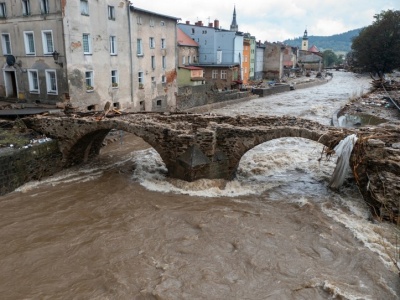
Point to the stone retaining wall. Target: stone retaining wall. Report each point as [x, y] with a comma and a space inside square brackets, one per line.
[21, 166]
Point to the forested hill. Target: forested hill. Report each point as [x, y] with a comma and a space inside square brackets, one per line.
[337, 43]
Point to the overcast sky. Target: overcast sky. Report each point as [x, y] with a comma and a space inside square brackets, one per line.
[276, 20]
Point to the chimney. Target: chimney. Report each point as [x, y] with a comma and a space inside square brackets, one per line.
[187, 22]
[216, 24]
[210, 25]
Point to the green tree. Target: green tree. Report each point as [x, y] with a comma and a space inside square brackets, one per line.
[329, 57]
[377, 47]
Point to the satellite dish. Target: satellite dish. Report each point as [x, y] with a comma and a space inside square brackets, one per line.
[10, 59]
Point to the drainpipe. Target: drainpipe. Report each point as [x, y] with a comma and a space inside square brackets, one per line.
[130, 48]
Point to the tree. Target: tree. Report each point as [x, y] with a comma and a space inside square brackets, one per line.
[330, 58]
[377, 47]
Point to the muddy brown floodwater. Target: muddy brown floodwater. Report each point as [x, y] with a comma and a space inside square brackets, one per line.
[117, 228]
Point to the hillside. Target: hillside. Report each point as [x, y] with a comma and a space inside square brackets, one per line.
[337, 43]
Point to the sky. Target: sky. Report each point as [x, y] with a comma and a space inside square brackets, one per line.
[276, 20]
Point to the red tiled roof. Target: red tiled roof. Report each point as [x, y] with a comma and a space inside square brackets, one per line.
[314, 49]
[184, 39]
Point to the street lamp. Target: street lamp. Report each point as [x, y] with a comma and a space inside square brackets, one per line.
[56, 55]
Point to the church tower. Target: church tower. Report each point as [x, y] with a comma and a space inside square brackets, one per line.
[234, 25]
[304, 43]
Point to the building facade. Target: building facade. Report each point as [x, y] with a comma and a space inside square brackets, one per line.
[31, 31]
[88, 53]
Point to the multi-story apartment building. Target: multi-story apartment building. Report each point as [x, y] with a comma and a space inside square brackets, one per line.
[88, 53]
[220, 52]
[31, 36]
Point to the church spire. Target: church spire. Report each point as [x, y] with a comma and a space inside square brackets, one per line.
[234, 25]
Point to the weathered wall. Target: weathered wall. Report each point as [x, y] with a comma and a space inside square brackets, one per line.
[20, 166]
[195, 96]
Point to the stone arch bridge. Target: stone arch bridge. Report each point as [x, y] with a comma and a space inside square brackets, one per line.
[192, 146]
[195, 146]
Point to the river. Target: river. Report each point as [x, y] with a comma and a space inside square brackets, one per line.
[117, 228]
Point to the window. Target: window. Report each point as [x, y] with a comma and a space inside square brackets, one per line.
[89, 81]
[51, 82]
[192, 30]
[113, 45]
[153, 62]
[183, 60]
[205, 42]
[162, 23]
[139, 50]
[6, 43]
[153, 79]
[151, 23]
[164, 62]
[163, 79]
[189, 61]
[33, 80]
[223, 74]
[3, 11]
[159, 103]
[214, 74]
[114, 78]
[26, 8]
[29, 43]
[140, 80]
[162, 43]
[84, 7]
[44, 7]
[152, 43]
[87, 47]
[111, 12]
[139, 20]
[47, 39]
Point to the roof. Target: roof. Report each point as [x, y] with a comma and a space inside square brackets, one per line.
[191, 68]
[134, 8]
[314, 49]
[184, 39]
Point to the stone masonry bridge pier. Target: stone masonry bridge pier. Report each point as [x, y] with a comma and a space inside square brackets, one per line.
[192, 146]
[195, 146]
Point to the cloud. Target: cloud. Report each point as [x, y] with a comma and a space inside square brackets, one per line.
[275, 20]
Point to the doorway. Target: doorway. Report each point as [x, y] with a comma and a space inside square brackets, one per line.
[10, 82]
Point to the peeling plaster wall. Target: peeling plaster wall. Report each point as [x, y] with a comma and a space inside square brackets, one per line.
[100, 61]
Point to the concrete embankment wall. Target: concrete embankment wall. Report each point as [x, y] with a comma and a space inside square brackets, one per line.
[23, 165]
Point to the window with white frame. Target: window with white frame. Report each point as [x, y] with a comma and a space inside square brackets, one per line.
[214, 74]
[111, 12]
[163, 79]
[151, 22]
[223, 74]
[33, 80]
[189, 60]
[84, 7]
[47, 39]
[87, 44]
[26, 8]
[140, 79]
[113, 45]
[139, 50]
[153, 62]
[29, 43]
[152, 43]
[162, 43]
[6, 43]
[51, 82]
[44, 6]
[164, 62]
[183, 60]
[3, 10]
[114, 78]
[89, 80]
[139, 20]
